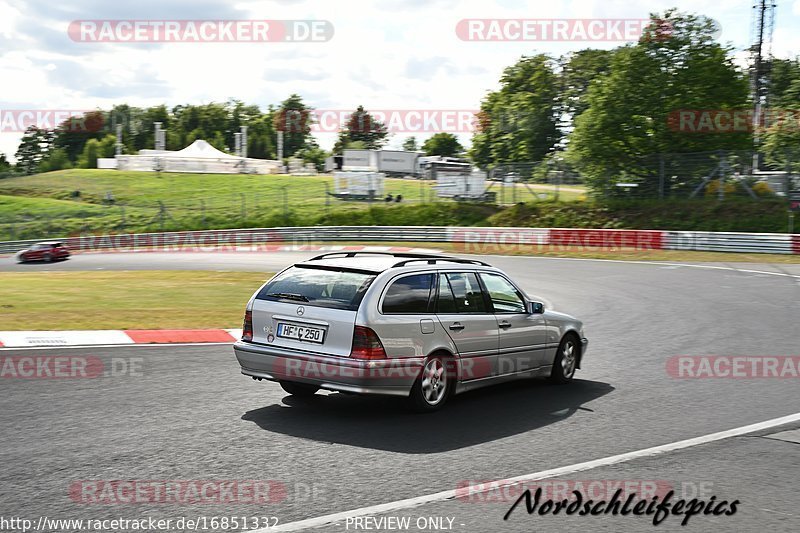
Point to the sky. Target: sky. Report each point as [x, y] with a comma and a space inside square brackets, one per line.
[383, 54]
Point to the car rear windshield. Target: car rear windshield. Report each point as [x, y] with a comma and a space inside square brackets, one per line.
[320, 287]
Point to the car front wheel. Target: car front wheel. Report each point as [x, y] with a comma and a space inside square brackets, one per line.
[566, 360]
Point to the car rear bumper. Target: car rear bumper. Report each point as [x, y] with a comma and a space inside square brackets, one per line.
[393, 377]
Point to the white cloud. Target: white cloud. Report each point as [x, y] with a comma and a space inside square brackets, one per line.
[385, 54]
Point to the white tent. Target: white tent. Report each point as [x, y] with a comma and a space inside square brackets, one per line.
[200, 149]
[199, 157]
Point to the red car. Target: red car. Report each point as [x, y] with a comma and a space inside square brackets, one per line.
[44, 251]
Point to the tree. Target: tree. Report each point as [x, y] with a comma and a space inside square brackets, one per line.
[784, 83]
[363, 128]
[781, 140]
[629, 109]
[579, 70]
[57, 159]
[261, 135]
[94, 149]
[88, 159]
[294, 118]
[410, 144]
[33, 148]
[73, 134]
[781, 145]
[444, 144]
[5, 166]
[312, 153]
[520, 121]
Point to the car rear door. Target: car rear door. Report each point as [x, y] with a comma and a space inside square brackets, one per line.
[465, 315]
[522, 336]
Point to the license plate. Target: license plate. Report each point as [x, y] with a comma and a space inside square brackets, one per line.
[301, 333]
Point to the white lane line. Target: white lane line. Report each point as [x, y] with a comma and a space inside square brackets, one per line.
[132, 345]
[545, 474]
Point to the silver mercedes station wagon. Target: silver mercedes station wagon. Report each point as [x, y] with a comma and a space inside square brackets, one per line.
[419, 326]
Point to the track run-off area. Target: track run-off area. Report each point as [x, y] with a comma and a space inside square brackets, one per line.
[184, 414]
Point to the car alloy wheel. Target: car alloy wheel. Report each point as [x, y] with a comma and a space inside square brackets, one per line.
[434, 381]
[568, 359]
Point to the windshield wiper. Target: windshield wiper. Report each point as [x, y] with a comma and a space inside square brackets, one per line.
[288, 296]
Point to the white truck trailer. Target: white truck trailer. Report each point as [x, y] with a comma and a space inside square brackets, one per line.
[360, 160]
[358, 185]
[461, 185]
[399, 162]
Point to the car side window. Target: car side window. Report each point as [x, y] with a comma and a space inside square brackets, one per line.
[504, 296]
[408, 295]
[467, 292]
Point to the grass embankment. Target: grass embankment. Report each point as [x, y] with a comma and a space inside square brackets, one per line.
[125, 299]
[47, 205]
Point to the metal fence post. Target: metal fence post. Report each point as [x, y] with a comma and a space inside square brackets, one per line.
[327, 199]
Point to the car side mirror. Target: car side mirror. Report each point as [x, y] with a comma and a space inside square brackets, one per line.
[535, 308]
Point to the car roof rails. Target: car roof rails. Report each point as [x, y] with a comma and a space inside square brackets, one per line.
[408, 257]
[391, 254]
[444, 259]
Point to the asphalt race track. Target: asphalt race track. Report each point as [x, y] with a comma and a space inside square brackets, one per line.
[188, 414]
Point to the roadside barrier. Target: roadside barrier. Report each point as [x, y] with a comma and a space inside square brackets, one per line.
[467, 239]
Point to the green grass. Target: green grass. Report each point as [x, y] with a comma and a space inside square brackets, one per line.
[108, 300]
[203, 201]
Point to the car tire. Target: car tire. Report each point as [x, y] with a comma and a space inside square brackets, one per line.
[566, 361]
[48, 258]
[299, 389]
[434, 385]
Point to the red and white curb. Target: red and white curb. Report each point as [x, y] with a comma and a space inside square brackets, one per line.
[27, 339]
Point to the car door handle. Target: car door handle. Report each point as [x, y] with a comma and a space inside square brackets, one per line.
[505, 324]
[458, 326]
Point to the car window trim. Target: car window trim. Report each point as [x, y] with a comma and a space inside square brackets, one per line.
[397, 278]
[354, 305]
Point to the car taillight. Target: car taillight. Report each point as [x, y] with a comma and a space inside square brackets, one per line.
[366, 344]
[247, 327]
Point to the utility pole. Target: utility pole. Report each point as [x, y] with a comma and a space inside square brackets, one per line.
[764, 21]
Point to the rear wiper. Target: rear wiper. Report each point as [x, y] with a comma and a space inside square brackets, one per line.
[288, 296]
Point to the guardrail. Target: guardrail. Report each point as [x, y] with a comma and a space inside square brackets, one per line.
[468, 239]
